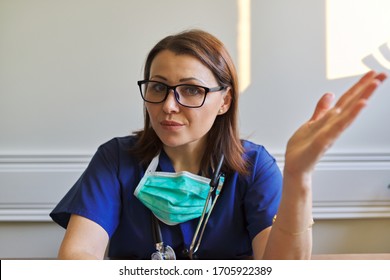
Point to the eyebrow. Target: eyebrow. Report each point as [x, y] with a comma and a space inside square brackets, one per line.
[190, 79]
[181, 80]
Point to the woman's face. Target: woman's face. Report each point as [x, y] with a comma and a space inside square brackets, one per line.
[175, 124]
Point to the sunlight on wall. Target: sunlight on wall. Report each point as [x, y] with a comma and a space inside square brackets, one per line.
[358, 37]
[244, 43]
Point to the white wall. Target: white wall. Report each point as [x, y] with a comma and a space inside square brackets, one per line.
[68, 72]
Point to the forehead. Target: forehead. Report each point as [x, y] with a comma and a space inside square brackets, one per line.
[174, 67]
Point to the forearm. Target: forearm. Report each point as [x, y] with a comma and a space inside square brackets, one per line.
[291, 234]
[77, 256]
[69, 251]
[83, 240]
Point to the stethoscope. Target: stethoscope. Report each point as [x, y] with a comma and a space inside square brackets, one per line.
[165, 252]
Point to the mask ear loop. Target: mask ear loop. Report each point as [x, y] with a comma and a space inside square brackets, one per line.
[215, 183]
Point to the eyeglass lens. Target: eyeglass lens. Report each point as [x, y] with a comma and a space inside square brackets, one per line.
[187, 95]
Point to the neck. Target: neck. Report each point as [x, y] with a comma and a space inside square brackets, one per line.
[187, 157]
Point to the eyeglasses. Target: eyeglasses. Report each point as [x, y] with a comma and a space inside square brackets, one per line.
[191, 96]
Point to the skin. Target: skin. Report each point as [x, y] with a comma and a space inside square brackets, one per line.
[304, 150]
[183, 130]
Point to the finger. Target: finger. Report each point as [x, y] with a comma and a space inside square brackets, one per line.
[338, 119]
[346, 97]
[336, 125]
[323, 105]
[328, 116]
[366, 90]
[369, 90]
[381, 77]
[346, 117]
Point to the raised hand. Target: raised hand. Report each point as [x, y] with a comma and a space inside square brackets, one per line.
[313, 139]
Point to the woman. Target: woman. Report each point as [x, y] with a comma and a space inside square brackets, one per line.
[190, 95]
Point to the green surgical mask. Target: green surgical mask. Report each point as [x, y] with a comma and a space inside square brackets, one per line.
[173, 197]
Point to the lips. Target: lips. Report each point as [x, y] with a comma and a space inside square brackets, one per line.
[171, 124]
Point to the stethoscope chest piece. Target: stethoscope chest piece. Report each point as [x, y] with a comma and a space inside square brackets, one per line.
[165, 253]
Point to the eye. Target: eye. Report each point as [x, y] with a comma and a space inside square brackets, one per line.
[158, 87]
[191, 90]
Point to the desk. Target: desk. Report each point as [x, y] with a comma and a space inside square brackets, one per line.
[313, 257]
[351, 257]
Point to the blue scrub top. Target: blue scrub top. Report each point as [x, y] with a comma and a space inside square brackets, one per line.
[104, 194]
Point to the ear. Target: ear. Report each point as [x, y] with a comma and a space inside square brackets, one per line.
[226, 101]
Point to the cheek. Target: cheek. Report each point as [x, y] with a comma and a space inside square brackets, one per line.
[152, 113]
[203, 120]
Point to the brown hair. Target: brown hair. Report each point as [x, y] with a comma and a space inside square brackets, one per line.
[223, 137]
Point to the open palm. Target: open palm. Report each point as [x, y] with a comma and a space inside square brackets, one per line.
[313, 138]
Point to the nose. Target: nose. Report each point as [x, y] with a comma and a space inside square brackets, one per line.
[170, 104]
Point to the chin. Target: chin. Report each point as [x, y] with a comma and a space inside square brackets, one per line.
[170, 141]
[174, 142]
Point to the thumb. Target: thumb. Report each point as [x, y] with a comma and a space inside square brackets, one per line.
[323, 105]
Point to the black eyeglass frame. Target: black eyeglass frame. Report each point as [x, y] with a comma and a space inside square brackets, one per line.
[207, 90]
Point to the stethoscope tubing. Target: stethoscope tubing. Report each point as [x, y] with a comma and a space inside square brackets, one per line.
[216, 185]
[196, 241]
